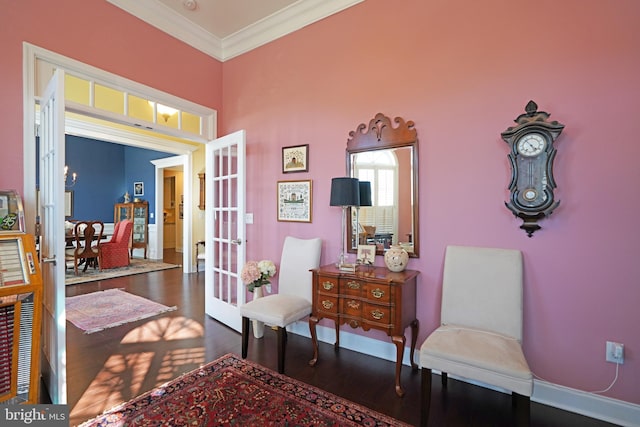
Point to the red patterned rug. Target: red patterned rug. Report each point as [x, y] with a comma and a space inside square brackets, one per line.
[235, 392]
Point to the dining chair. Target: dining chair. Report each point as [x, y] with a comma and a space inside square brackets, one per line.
[87, 237]
[480, 331]
[115, 252]
[293, 300]
[199, 255]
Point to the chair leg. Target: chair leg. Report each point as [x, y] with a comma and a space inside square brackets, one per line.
[425, 396]
[282, 341]
[245, 336]
[521, 407]
[444, 379]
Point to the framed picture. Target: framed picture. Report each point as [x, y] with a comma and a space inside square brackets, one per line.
[294, 201]
[366, 254]
[295, 158]
[138, 189]
[68, 203]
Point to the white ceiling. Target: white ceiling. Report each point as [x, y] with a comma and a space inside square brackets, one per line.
[224, 29]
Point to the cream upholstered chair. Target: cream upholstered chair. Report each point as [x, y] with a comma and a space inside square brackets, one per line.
[293, 300]
[481, 325]
[199, 255]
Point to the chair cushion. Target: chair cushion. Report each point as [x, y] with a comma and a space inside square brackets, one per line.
[485, 356]
[277, 310]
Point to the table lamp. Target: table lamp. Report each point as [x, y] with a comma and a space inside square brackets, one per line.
[345, 192]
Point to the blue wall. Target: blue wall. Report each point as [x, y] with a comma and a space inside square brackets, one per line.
[105, 172]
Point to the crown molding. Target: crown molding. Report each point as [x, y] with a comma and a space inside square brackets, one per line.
[165, 19]
[285, 21]
[281, 23]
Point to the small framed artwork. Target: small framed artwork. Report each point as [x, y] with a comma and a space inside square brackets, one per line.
[366, 254]
[295, 158]
[138, 189]
[295, 201]
[68, 203]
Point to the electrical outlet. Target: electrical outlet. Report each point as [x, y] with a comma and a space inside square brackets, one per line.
[615, 352]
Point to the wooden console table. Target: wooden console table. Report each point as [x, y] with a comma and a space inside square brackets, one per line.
[374, 298]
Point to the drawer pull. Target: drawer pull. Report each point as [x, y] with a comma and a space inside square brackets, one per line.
[353, 304]
[377, 314]
[328, 305]
[353, 285]
[327, 285]
[377, 293]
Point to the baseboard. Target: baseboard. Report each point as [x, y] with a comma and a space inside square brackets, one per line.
[565, 398]
[588, 404]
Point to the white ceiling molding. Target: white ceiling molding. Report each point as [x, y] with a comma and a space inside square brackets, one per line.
[281, 23]
[165, 19]
[284, 22]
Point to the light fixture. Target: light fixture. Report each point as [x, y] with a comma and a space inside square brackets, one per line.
[190, 4]
[345, 192]
[74, 177]
[163, 110]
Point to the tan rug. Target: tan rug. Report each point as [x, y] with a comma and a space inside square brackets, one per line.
[137, 266]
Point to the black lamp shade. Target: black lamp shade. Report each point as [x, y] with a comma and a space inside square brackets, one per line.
[345, 192]
[365, 193]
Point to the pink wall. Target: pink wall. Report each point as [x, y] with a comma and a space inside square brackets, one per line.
[102, 35]
[462, 71]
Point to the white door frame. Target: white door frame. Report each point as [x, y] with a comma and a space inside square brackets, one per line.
[31, 54]
[92, 130]
[187, 238]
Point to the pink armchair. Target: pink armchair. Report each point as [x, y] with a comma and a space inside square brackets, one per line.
[115, 252]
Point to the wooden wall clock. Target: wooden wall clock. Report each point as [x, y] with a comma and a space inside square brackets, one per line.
[532, 154]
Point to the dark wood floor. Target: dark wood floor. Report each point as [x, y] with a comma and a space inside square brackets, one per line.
[115, 365]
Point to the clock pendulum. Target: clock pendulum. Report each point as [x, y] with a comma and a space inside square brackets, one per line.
[531, 157]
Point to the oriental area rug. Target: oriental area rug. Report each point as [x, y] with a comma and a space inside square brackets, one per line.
[100, 310]
[137, 266]
[231, 391]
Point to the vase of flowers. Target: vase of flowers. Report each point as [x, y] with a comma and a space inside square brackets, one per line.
[256, 275]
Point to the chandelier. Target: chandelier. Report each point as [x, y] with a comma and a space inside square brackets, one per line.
[74, 177]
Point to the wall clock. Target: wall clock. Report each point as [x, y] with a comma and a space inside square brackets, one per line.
[531, 156]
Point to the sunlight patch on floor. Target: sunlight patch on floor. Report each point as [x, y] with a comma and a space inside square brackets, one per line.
[165, 329]
[175, 359]
[123, 375]
[119, 380]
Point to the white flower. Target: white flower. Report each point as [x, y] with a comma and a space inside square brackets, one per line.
[267, 268]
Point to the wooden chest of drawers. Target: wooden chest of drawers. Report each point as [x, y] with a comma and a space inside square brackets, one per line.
[374, 298]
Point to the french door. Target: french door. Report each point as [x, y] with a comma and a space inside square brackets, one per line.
[52, 154]
[225, 228]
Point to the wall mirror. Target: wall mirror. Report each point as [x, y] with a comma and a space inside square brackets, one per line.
[387, 158]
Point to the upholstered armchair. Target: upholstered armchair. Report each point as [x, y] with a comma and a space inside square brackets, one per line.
[293, 300]
[480, 334]
[115, 252]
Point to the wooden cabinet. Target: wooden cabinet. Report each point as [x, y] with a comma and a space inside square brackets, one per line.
[138, 212]
[20, 319]
[374, 298]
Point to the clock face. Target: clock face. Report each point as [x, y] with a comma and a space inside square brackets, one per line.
[531, 144]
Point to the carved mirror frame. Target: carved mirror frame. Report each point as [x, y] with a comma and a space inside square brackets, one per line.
[380, 134]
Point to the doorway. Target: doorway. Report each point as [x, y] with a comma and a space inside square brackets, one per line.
[80, 125]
